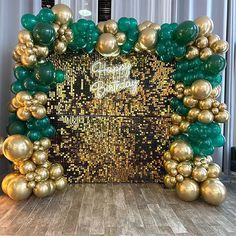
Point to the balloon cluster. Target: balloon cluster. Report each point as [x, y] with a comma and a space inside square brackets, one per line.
[33, 172]
[192, 176]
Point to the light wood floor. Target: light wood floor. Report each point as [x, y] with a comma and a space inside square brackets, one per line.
[118, 209]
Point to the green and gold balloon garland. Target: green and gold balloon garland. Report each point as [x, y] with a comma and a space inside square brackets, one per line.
[195, 131]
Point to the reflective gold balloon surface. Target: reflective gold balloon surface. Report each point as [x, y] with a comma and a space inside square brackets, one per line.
[45, 142]
[17, 188]
[170, 165]
[201, 89]
[39, 112]
[188, 190]
[193, 113]
[63, 13]
[30, 176]
[179, 178]
[205, 104]
[192, 52]
[213, 191]
[41, 51]
[52, 186]
[222, 116]
[205, 53]
[167, 181]
[183, 127]
[42, 172]
[121, 38]
[176, 118]
[61, 183]
[39, 157]
[23, 97]
[220, 46]
[41, 97]
[213, 171]
[201, 42]
[199, 174]
[205, 25]
[174, 129]
[167, 156]
[42, 189]
[47, 164]
[110, 26]
[184, 168]
[60, 47]
[56, 171]
[100, 26]
[28, 60]
[23, 114]
[17, 148]
[189, 101]
[205, 116]
[181, 151]
[25, 36]
[212, 38]
[6, 180]
[1, 145]
[154, 26]
[144, 25]
[147, 38]
[27, 167]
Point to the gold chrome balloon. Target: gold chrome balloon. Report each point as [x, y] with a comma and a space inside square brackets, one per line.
[41, 51]
[17, 188]
[220, 46]
[154, 26]
[167, 156]
[174, 129]
[52, 186]
[41, 97]
[170, 165]
[31, 184]
[6, 180]
[205, 53]
[181, 151]
[206, 103]
[201, 89]
[213, 171]
[144, 25]
[190, 102]
[30, 176]
[47, 164]
[25, 36]
[193, 114]
[212, 38]
[60, 46]
[199, 174]
[39, 157]
[42, 189]
[201, 42]
[27, 167]
[43, 173]
[168, 181]
[121, 38]
[23, 114]
[147, 39]
[1, 145]
[39, 112]
[63, 13]
[205, 116]
[192, 52]
[17, 148]
[222, 107]
[205, 25]
[188, 190]
[56, 171]
[222, 116]
[213, 191]
[28, 60]
[176, 118]
[183, 127]
[110, 26]
[22, 97]
[100, 26]
[45, 142]
[179, 178]
[61, 183]
[184, 168]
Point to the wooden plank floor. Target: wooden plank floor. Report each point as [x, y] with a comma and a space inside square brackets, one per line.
[117, 209]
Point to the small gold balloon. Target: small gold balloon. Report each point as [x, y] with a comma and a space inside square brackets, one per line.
[167, 181]
[222, 116]
[174, 129]
[56, 171]
[69, 35]
[192, 52]
[205, 25]
[107, 44]
[220, 46]
[11, 108]
[137, 47]
[22, 97]
[201, 89]
[17, 148]
[173, 172]
[205, 53]
[184, 168]
[205, 104]
[213, 171]
[205, 116]
[27, 167]
[193, 113]
[41, 51]
[170, 165]
[188, 190]
[42, 189]
[183, 127]
[213, 191]
[41, 97]
[209, 159]
[61, 183]
[201, 42]
[110, 26]
[100, 26]
[52, 186]
[121, 38]
[63, 13]
[179, 178]
[181, 151]
[215, 111]
[16, 57]
[28, 60]
[31, 184]
[47, 164]
[23, 114]
[212, 38]
[40, 112]
[6, 180]
[199, 174]
[45, 142]
[37, 178]
[30, 176]
[147, 38]
[190, 102]
[222, 107]
[56, 28]
[25, 36]
[176, 118]
[154, 26]
[39, 157]
[60, 47]
[43, 173]
[144, 25]
[17, 188]
[167, 156]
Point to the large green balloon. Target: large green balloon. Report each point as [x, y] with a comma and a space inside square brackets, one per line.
[21, 73]
[214, 64]
[46, 15]
[44, 33]
[123, 24]
[45, 73]
[186, 32]
[29, 21]
[16, 127]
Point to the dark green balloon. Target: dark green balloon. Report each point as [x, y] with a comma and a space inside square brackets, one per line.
[45, 72]
[44, 88]
[17, 86]
[44, 33]
[218, 141]
[34, 135]
[133, 35]
[60, 76]
[123, 24]
[29, 21]
[126, 47]
[16, 127]
[46, 15]
[49, 131]
[214, 64]
[30, 84]
[42, 123]
[82, 25]
[186, 32]
[21, 73]
[133, 23]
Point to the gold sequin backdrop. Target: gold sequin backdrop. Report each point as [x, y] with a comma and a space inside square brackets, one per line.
[120, 137]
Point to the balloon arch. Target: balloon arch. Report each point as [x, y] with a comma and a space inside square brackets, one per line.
[195, 131]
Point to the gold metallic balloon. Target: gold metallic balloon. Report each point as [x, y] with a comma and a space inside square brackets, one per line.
[31, 184]
[213, 191]
[110, 26]
[28, 60]
[154, 26]
[56, 28]
[22, 97]
[193, 114]
[188, 190]
[39, 157]
[45, 142]
[17, 188]
[20, 49]
[201, 89]
[212, 38]
[181, 151]
[179, 178]
[199, 174]
[184, 168]
[121, 38]
[100, 26]
[205, 25]
[63, 13]
[205, 116]
[25, 36]
[190, 102]
[27, 167]
[174, 129]
[69, 35]
[167, 156]
[61, 183]
[222, 116]
[16, 57]
[41, 51]
[187, 91]
[173, 172]
[47, 164]
[23, 114]
[147, 38]
[183, 127]
[170, 165]
[17, 148]
[205, 53]
[107, 44]
[137, 47]
[192, 52]
[213, 171]
[1, 145]
[176, 118]
[37, 178]
[42, 172]
[209, 159]
[144, 25]
[30, 176]
[60, 47]
[220, 46]
[205, 104]
[222, 107]
[52, 186]
[11, 108]
[56, 171]
[41, 97]
[201, 42]
[6, 180]
[42, 189]
[40, 112]
[168, 181]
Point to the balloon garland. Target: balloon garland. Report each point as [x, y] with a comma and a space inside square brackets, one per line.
[196, 112]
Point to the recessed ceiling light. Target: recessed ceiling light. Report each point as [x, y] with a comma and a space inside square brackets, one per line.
[85, 12]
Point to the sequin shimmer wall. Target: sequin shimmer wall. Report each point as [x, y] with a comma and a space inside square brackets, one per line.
[112, 117]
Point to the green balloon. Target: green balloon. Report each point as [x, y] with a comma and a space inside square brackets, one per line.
[82, 25]
[44, 33]
[21, 73]
[89, 48]
[42, 123]
[179, 51]
[186, 32]
[44, 88]
[29, 21]
[214, 64]
[133, 35]
[34, 135]
[133, 23]
[49, 131]
[60, 76]
[126, 47]
[30, 84]
[218, 141]
[46, 15]
[16, 127]
[44, 73]
[17, 86]
[123, 24]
